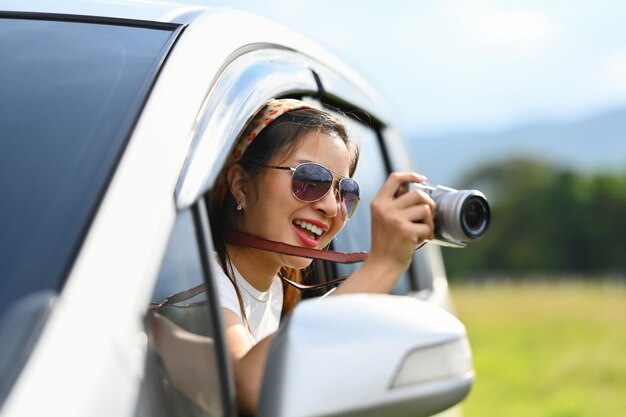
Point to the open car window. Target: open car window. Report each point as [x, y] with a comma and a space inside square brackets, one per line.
[371, 173]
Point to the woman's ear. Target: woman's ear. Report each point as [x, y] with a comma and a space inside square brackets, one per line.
[236, 178]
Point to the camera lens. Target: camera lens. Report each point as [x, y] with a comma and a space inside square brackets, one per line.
[475, 216]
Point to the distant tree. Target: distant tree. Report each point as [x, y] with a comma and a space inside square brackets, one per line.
[546, 219]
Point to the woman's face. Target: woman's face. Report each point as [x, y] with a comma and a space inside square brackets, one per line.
[272, 211]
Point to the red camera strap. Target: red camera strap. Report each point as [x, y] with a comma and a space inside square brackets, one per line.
[244, 239]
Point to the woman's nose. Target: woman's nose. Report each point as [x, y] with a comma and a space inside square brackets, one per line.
[329, 204]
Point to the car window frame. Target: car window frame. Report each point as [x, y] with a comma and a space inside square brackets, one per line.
[206, 249]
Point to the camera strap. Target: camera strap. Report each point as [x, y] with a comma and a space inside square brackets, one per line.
[244, 239]
[236, 237]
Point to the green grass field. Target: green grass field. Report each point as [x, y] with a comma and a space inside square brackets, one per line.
[545, 350]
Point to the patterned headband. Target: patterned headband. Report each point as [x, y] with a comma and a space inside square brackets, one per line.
[268, 113]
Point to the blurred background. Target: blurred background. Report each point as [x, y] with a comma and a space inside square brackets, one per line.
[525, 100]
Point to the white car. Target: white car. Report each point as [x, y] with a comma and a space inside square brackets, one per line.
[115, 119]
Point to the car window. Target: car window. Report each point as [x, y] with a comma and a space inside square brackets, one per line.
[371, 173]
[69, 95]
[182, 371]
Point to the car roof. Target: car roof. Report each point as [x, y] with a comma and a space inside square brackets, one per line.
[154, 11]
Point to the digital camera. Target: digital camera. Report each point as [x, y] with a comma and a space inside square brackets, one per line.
[460, 215]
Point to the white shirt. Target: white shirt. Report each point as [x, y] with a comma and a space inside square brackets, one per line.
[262, 308]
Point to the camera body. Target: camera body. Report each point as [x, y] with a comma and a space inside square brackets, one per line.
[461, 216]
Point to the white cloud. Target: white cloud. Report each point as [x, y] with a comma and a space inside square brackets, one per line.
[613, 72]
[521, 29]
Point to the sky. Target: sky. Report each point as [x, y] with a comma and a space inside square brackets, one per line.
[446, 66]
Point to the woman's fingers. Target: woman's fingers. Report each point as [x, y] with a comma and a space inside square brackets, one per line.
[411, 225]
[422, 220]
[386, 203]
[415, 197]
[397, 189]
[398, 179]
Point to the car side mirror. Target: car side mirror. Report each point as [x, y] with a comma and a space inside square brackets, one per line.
[366, 355]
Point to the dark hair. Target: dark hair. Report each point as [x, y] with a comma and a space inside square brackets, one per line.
[283, 135]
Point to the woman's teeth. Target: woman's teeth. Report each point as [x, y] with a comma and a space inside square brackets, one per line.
[308, 226]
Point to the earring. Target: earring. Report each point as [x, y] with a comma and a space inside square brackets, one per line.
[239, 208]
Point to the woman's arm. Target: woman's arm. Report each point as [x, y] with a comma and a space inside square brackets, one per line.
[248, 361]
[399, 224]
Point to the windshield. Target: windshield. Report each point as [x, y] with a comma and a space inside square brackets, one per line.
[70, 93]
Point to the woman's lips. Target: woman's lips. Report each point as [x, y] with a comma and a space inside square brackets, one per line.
[309, 231]
[304, 236]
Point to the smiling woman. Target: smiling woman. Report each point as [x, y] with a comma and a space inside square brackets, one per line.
[256, 198]
[289, 180]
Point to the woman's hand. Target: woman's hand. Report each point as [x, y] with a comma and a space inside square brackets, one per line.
[401, 219]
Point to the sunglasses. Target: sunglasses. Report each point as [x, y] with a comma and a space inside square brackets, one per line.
[311, 182]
